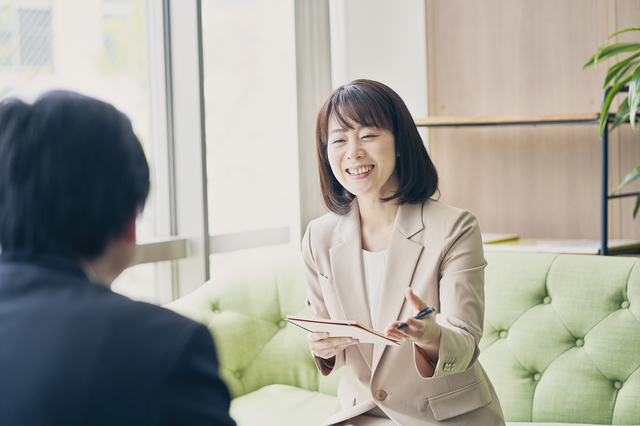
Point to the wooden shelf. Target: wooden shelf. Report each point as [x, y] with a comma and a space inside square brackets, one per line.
[509, 120]
[533, 120]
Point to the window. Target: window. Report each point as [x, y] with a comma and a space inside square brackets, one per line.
[215, 110]
[98, 48]
[25, 35]
[251, 125]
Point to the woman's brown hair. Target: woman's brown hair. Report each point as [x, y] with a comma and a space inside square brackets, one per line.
[372, 104]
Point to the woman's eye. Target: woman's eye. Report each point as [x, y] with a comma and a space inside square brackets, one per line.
[338, 141]
[368, 136]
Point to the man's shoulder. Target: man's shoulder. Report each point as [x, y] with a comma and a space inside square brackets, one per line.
[145, 319]
[68, 296]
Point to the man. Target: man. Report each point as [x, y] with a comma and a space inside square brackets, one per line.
[73, 178]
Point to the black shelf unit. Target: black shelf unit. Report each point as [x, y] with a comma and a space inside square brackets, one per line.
[533, 120]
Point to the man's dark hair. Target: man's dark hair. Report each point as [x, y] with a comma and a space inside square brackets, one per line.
[72, 175]
[372, 104]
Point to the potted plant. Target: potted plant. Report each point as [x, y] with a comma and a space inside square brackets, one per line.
[623, 73]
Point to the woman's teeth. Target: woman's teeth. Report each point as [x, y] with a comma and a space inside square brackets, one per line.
[360, 171]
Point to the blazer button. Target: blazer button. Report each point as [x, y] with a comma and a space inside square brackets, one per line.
[381, 395]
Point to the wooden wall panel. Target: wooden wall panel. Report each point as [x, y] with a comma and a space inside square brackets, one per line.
[507, 57]
[628, 141]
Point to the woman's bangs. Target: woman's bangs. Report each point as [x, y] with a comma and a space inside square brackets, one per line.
[353, 105]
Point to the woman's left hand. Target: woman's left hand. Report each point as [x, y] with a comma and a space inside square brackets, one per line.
[424, 332]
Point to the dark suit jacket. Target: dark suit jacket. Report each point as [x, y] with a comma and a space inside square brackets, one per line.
[72, 352]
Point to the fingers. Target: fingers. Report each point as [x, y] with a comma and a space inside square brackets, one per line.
[393, 333]
[314, 337]
[326, 347]
[415, 301]
[413, 332]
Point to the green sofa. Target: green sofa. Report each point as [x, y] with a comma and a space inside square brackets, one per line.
[561, 341]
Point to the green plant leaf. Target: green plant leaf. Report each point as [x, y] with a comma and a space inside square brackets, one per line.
[604, 114]
[630, 177]
[636, 207]
[599, 52]
[625, 71]
[634, 97]
[621, 116]
[626, 30]
[615, 68]
[609, 51]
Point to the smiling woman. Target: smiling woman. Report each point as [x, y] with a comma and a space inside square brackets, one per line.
[374, 108]
[363, 159]
[386, 252]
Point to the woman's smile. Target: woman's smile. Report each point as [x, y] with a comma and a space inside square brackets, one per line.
[363, 159]
[360, 172]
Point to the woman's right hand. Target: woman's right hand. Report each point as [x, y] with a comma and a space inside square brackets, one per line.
[327, 347]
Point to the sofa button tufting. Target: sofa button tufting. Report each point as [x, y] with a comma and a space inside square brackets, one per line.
[381, 395]
[579, 342]
[504, 334]
[282, 324]
[617, 384]
[537, 377]
[625, 304]
[238, 374]
[546, 300]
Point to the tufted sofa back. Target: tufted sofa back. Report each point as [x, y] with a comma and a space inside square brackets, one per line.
[245, 311]
[562, 337]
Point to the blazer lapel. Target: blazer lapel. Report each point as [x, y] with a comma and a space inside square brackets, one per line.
[401, 263]
[348, 275]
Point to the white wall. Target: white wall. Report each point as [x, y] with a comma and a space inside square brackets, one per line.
[383, 40]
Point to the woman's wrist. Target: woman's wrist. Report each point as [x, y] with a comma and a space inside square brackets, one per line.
[430, 347]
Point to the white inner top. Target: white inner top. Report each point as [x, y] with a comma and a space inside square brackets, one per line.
[374, 264]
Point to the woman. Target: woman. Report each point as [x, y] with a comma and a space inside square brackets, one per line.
[386, 252]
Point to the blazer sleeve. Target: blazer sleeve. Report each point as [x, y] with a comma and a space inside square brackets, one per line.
[315, 301]
[461, 292]
[196, 395]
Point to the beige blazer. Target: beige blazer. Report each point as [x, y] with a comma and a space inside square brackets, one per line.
[437, 251]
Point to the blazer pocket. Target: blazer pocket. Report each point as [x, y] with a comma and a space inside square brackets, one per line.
[326, 283]
[460, 401]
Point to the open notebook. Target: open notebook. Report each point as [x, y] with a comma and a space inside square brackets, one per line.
[342, 328]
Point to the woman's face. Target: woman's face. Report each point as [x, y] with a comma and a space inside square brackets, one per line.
[363, 159]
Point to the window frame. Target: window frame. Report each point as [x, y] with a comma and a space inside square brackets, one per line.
[177, 81]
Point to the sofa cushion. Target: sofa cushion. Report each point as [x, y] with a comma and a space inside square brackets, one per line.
[548, 424]
[560, 340]
[245, 311]
[561, 337]
[281, 405]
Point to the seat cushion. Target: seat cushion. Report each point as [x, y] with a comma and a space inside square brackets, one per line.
[282, 405]
[549, 424]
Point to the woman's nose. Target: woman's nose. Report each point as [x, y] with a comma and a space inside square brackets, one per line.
[354, 151]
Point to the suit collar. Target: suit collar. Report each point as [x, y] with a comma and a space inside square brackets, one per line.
[46, 260]
[349, 222]
[348, 274]
[408, 220]
[401, 263]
